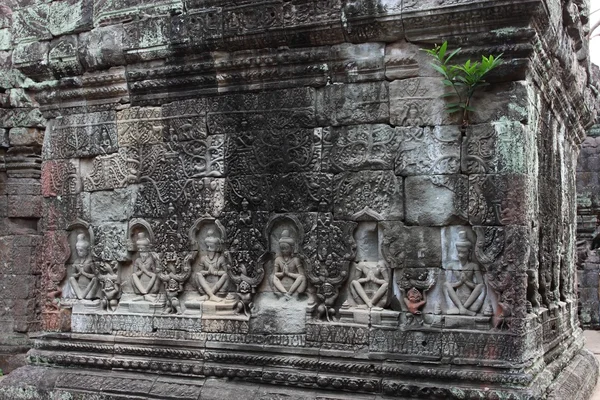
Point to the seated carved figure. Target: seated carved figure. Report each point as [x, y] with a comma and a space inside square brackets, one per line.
[371, 284]
[288, 264]
[464, 284]
[145, 278]
[83, 281]
[212, 264]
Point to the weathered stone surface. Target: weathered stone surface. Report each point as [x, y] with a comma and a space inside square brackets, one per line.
[63, 56]
[359, 147]
[503, 147]
[30, 24]
[378, 191]
[32, 59]
[81, 135]
[428, 150]
[69, 16]
[417, 102]
[436, 200]
[500, 199]
[114, 205]
[102, 47]
[26, 137]
[340, 104]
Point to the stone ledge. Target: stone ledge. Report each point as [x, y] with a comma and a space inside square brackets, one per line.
[35, 382]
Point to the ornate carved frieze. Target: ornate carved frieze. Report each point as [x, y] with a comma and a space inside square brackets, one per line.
[380, 191]
[359, 147]
[81, 135]
[273, 149]
[428, 150]
[138, 126]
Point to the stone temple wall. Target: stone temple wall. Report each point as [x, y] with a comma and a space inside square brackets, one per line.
[267, 199]
[588, 209]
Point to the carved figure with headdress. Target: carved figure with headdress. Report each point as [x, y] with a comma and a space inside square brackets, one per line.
[288, 264]
[464, 286]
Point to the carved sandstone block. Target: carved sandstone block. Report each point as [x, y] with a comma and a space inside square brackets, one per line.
[81, 135]
[31, 24]
[69, 16]
[436, 200]
[293, 192]
[428, 150]
[59, 212]
[411, 246]
[273, 150]
[503, 146]
[500, 199]
[63, 56]
[362, 103]
[359, 147]
[110, 241]
[274, 110]
[406, 60]
[32, 59]
[378, 191]
[137, 126]
[417, 102]
[59, 177]
[101, 47]
[184, 120]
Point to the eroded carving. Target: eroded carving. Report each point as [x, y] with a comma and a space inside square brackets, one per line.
[464, 287]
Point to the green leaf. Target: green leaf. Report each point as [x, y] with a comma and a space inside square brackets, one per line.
[443, 49]
[449, 94]
[439, 69]
[455, 52]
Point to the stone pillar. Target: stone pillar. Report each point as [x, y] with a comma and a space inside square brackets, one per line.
[268, 199]
[21, 136]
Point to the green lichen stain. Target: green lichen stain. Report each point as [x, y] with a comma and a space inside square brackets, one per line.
[521, 111]
[510, 147]
[5, 39]
[583, 200]
[504, 32]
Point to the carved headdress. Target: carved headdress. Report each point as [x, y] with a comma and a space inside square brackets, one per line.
[211, 238]
[463, 241]
[142, 241]
[82, 242]
[287, 239]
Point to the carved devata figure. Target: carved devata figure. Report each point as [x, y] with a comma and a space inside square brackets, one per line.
[288, 265]
[370, 276]
[144, 280]
[209, 270]
[212, 275]
[285, 236]
[464, 288]
[82, 282]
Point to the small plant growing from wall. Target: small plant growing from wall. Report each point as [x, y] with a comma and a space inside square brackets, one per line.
[464, 79]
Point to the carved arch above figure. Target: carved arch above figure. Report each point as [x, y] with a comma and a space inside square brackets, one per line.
[199, 226]
[135, 226]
